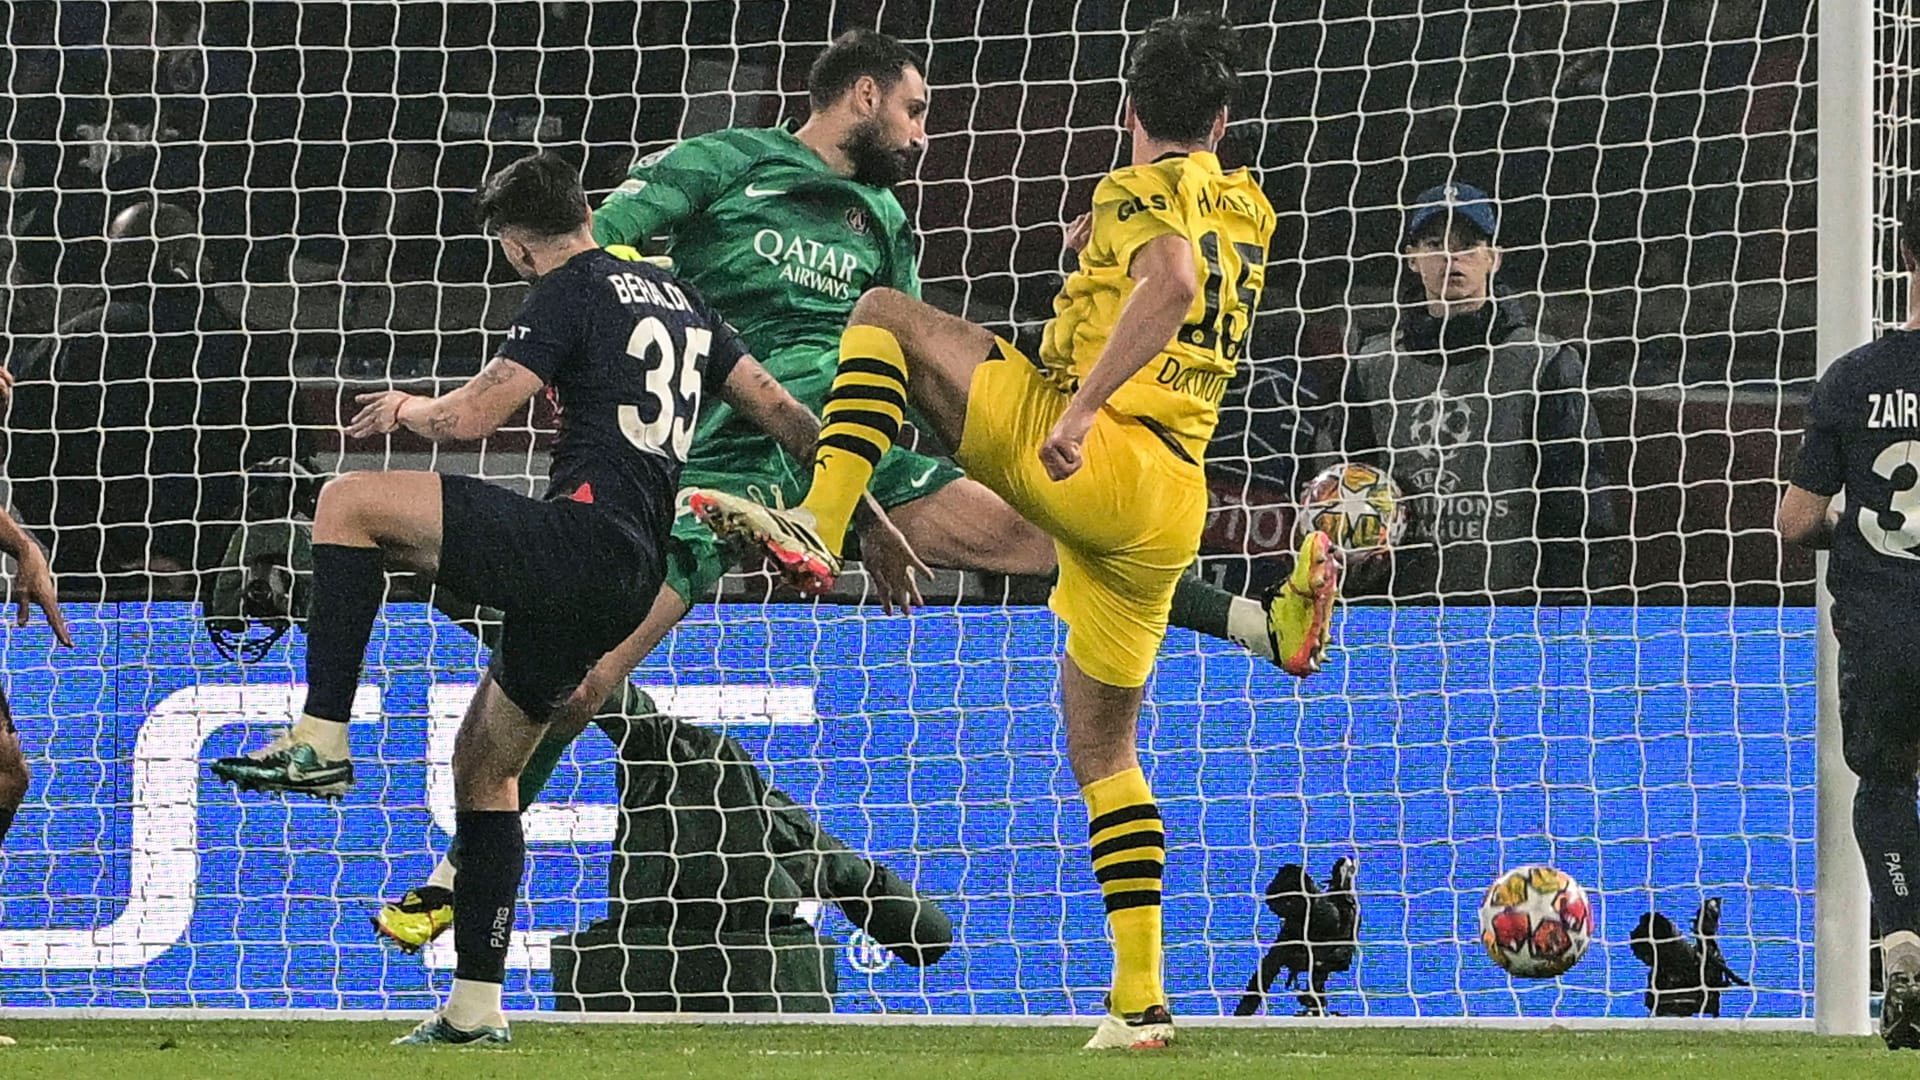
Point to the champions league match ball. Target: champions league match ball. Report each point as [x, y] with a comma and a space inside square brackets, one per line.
[1356, 505]
[1535, 922]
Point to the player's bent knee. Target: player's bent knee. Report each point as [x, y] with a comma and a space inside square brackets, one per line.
[882, 307]
[343, 498]
[489, 754]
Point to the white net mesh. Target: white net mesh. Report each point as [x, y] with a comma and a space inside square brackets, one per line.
[1593, 653]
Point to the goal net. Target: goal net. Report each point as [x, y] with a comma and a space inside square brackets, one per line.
[1592, 651]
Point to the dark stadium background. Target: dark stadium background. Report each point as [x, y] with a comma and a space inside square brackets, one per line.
[1654, 164]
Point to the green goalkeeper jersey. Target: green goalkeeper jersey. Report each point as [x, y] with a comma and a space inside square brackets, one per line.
[776, 240]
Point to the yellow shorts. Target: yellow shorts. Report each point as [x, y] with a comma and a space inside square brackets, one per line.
[1126, 526]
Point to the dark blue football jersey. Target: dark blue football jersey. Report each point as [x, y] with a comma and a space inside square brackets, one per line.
[627, 352]
[1863, 436]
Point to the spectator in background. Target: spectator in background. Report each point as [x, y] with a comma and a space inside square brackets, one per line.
[132, 426]
[155, 77]
[1484, 422]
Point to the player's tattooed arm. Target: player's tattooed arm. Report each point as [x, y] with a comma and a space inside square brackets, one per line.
[1165, 284]
[473, 411]
[1806, 519]
[766, 404]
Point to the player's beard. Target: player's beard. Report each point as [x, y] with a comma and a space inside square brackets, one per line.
[874, 162]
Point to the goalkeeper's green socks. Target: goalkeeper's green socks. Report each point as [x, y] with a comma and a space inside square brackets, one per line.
[1129, 859]
[858, 426]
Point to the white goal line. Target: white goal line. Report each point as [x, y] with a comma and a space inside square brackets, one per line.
[1512, 1023]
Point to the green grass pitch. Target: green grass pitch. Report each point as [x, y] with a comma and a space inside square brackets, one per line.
[335, 1050]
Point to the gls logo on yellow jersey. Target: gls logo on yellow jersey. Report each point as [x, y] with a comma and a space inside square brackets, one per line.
[1138, 206]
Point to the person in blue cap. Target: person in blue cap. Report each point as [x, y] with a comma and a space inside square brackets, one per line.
[1484, 422]
[1449, 244]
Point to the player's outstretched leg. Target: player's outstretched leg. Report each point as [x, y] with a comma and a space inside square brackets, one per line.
[1129, 848]
[963, 525]
[493, 746]
[888, 333]
[364, 521]
[859, 424]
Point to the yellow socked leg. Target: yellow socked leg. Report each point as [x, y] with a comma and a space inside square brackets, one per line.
[1129, 858]
[859, 424]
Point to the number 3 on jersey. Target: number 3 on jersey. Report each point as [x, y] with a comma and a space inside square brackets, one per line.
[673, 382]
[1900, 541]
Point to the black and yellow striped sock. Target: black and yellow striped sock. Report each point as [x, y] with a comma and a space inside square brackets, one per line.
[1129, 858]
[859, 424]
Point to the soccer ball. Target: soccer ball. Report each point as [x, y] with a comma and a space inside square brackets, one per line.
[1356, 505]
[1535, 922]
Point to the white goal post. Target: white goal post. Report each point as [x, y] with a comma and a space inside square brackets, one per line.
[1849, 270]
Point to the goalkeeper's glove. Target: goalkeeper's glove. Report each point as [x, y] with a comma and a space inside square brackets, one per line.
[629, 253]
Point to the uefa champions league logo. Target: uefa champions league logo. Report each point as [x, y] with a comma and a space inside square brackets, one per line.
[164, 859]
[1443, 420]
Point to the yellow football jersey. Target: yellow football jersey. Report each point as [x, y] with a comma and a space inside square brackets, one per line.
[1228, 220]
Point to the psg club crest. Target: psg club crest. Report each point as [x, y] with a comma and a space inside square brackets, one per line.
[857, 220]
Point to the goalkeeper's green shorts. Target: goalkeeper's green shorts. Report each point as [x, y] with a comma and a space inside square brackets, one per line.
[696, 559]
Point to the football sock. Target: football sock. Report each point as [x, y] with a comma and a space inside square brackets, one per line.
[1129, 858]
[348, 585]
[861, 419]
[6, 820]
[1206, 608]
[443, 873]
[1247, 627]
[474, 1004]
[493, 856]
[327, 737]
[1886, 822]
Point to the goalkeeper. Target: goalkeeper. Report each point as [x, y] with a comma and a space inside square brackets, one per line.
[783, 230]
